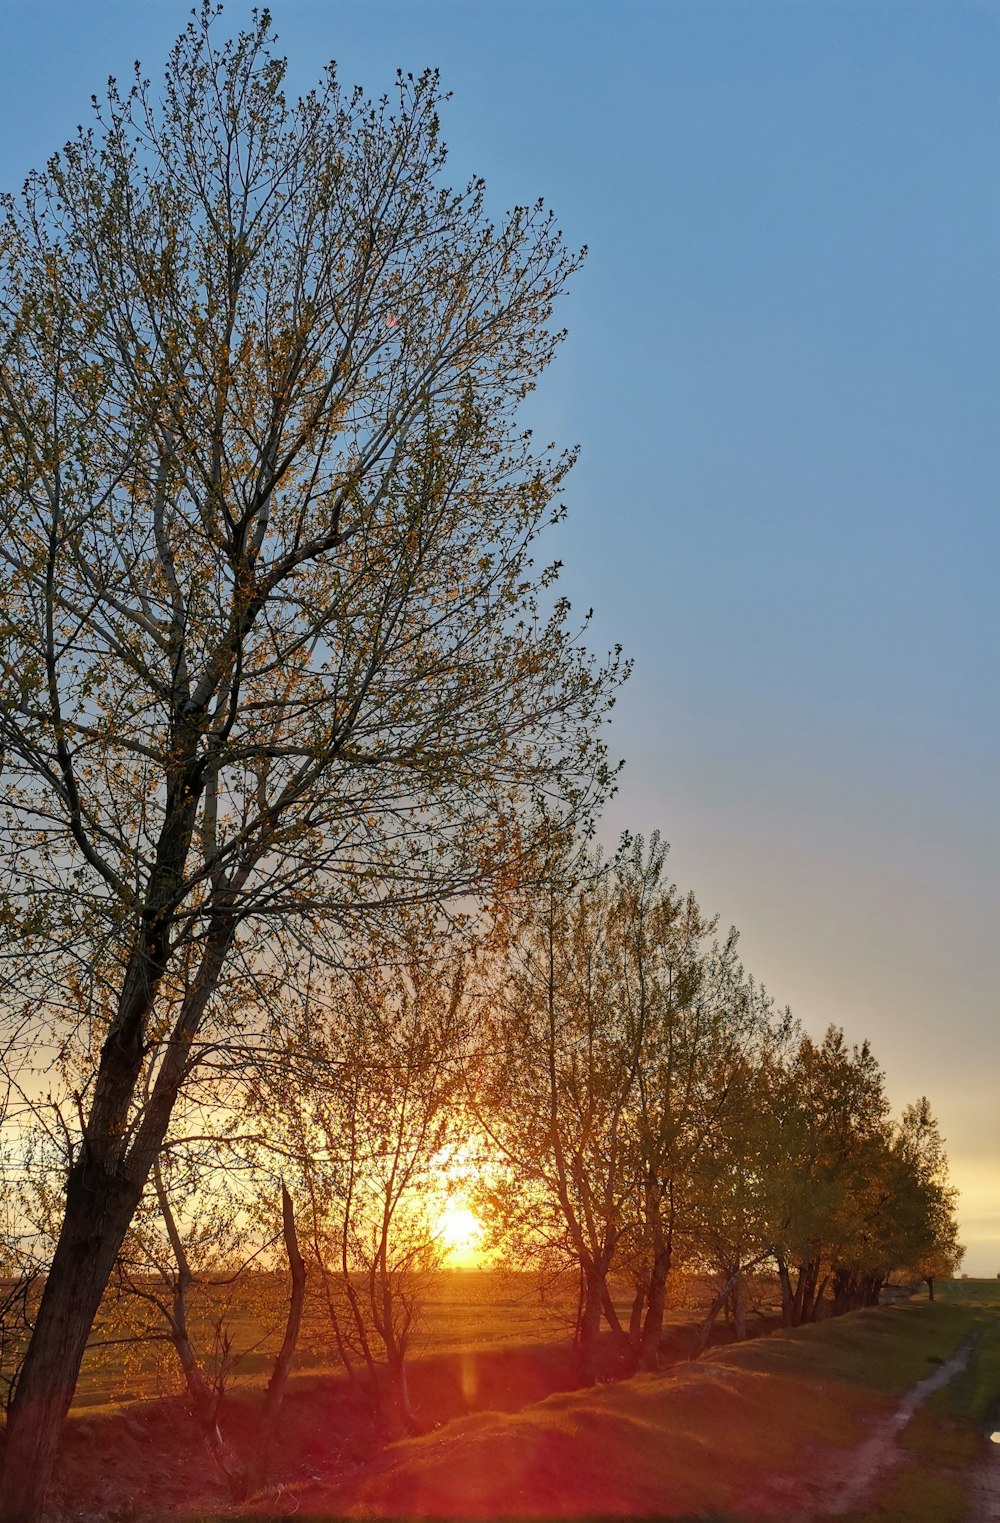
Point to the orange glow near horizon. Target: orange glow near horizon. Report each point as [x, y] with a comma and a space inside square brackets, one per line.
[461, 1234]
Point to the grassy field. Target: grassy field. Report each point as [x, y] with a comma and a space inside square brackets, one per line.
[943, 1445]
[463, 1309]
[774, 1428]
[768, 1429]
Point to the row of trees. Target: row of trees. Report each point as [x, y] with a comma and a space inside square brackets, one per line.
[637, 1108]
[667, 1116]
[640, 1115]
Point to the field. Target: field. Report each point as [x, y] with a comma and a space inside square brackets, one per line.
[798, 1425]
[463, 1309]
[795, 1426]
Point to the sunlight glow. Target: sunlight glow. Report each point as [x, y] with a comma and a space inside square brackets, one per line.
[461, 1234]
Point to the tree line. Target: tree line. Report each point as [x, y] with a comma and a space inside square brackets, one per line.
[632, 1109]
[667, 1116]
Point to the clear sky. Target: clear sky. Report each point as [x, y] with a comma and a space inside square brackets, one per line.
[784, 372]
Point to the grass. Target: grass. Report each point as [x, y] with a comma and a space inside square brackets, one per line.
[464, 1310]
[759, 1430]
[944, 1443]
[766, 1429]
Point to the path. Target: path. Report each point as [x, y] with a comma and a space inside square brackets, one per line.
[880, 1448]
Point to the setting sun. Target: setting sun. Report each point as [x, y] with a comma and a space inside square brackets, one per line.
[461, 1233]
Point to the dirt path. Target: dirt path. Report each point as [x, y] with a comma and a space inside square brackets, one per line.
[859, 1470]
[984, 1494]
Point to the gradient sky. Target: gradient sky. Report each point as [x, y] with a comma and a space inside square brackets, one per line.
[784, 372]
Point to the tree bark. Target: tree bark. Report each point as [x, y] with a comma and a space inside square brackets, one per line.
[739, 1311]
[98, 1212]
[395, 1407]
[718, 1302]
[590, 1328]
[622, 1342]
[635, 1316]
[785, 1281]
[656, 1298]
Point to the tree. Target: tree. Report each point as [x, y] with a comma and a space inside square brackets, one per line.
[560, 1041]
[275, 658]
[190, 1256]
[927, 1240]
[834, 1132]
[365, 1118]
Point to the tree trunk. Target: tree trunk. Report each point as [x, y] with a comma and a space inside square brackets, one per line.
[635, 1317]
[818, 1294]
[395, 1407]
[800, 1285]
[705, 1331]
[257, 1469]
[103, 1189]
[930, 1286]
[731, 1285]
[205, 1402]
[98, 1210]
[739, 1312]
[590, 1328]
[652, 1327]
[841, 1292]
[785, 1281]
[622, 1342]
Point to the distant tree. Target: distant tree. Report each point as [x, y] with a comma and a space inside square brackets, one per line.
[273, 655]
[855, 1197]
[559, 1040]
[929, 1245]
[365, 1114]
[833, 1109]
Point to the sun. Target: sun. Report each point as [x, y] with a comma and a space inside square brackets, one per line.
[460, 1233]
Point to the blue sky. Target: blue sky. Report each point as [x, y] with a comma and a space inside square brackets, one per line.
[783, 369]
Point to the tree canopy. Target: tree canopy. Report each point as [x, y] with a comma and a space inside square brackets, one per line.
[275, 656]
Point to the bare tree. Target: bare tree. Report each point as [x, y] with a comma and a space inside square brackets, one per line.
[273, 654]
[193, 1256]
[367, 1117]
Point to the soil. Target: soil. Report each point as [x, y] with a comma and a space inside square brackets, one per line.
[880, 1449]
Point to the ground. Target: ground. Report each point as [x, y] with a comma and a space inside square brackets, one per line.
[881, 1415]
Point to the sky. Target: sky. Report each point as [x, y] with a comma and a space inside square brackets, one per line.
[783, 370]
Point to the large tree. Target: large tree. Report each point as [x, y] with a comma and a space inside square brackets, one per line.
[275, 655]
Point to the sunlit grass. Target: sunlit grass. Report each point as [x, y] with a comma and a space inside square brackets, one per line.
[946, 1439]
